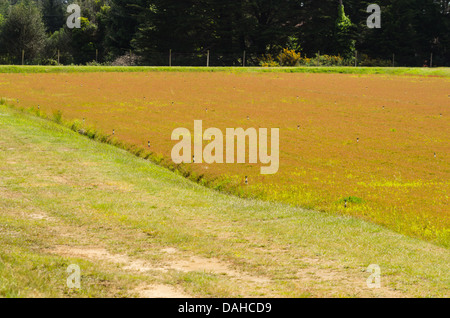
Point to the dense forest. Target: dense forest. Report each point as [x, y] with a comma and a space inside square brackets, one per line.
[250, 32]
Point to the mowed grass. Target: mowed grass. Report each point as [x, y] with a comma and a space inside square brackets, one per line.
[381, 142]
[420, 71]
[60, 191]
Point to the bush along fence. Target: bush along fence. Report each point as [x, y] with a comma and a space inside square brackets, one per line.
[286, 57]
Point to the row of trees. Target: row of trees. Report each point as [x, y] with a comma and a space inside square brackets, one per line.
[411, 29]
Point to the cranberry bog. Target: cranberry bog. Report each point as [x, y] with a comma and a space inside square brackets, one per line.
[374, 146]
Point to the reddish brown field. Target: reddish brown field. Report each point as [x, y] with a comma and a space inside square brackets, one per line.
[391, 174]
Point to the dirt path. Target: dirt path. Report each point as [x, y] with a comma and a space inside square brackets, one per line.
[176, 261]
[173, 260]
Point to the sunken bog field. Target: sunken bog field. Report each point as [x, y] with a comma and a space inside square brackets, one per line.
[380, 143]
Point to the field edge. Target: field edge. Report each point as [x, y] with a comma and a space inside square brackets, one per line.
[413, 71]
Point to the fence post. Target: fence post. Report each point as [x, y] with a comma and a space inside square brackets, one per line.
[58, 57]
[96, 55]
[356, 58]
[207, 59]
[431, 60]
[23, 57]
[170, 58]
[243, 60]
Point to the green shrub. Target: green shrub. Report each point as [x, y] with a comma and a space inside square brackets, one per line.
[50, 62]
[95, 63]
[366, 60]
[324, 60]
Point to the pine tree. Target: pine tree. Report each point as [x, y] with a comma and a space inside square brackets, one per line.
[23, 29]
[124, 18]
[53, 15]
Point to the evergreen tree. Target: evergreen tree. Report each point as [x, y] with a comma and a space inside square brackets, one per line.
[123, 20]
[315, 31]
[23, 29]
[53, 15]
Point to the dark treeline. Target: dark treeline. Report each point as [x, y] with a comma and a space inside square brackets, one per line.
[145, 31]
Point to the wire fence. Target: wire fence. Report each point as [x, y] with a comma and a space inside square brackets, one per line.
[173, 58]
[215, 59]
[211, 59]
